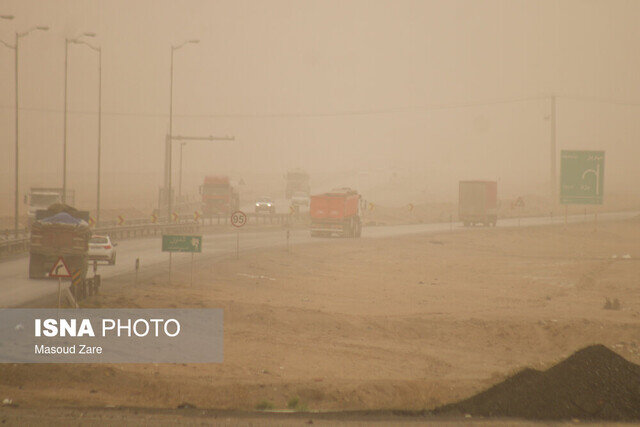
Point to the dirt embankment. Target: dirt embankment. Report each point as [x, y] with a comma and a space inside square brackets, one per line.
[412, 322]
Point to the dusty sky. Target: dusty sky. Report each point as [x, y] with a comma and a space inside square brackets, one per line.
[353, 91]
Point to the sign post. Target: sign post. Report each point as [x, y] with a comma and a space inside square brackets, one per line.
[181, 243]
[582, 179]
[60, 270]
[238, 220]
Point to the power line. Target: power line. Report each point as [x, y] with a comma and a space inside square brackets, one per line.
[343, 113]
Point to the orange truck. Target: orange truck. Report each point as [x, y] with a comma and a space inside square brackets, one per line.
[336, 212]
[219, 196]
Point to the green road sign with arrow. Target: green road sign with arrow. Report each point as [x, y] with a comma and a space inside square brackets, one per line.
[181, 243]
[581, 177]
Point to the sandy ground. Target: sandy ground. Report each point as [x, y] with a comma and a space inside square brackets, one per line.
[411, 322]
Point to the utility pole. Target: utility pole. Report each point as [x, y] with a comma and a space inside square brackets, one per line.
[553, 153]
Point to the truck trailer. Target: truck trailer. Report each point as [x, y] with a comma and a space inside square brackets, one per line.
[336, 212]
[59, 231]
[478, 203]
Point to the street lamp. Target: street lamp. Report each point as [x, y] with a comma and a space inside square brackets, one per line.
[182, 144]
[99, 50]
[173, 48]
[15, 48]
[64, 131]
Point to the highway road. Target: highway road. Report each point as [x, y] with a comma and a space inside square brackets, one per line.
[17, 289]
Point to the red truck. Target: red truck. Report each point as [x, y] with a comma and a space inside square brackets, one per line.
[336, 212]
[219, 196]
[478, 203]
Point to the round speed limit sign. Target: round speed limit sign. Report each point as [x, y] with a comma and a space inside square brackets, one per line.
[238, 219]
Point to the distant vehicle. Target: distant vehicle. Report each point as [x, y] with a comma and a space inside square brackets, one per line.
[219, 196]
[40, 198]
[300, 198]
[265, 204]
[478, 203]
[297, 180]
[336, 212]
[59, 231]
[102, 249]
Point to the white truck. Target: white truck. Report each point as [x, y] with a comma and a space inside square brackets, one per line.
[40, 198]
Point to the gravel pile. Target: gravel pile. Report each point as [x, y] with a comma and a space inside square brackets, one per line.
[592, 384]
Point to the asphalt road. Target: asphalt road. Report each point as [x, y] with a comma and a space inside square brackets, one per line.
[16, 288]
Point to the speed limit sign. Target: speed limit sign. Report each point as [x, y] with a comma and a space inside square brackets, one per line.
[238, 219]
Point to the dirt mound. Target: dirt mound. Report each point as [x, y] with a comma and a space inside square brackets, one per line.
[592, 384]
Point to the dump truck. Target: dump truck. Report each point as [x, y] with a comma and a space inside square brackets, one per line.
[59, 231]
[40, 198]
[219, 196]
[336, 212]
[297, 181]
[478, 203]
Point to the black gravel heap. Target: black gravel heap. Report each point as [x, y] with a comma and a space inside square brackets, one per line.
[592, 384]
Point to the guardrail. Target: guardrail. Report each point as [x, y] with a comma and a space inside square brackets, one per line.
[15, 243]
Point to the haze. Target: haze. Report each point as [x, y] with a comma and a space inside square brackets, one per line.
[356, 92]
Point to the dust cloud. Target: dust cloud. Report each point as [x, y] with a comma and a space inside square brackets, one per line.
[402, 99]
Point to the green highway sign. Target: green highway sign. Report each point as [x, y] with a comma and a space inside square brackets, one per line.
[181, 243]
[581, 177]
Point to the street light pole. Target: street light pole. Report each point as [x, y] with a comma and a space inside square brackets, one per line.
[169, 142]
[182, 144]
[17, 146]
[64, 127]
[99, 133]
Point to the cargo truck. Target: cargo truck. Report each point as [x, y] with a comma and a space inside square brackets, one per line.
[219, 196]
[336, 212]
[297, 181]
[478, 203]
[59, 231]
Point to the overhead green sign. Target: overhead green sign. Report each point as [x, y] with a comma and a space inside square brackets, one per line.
[181, 243]
[581, 177]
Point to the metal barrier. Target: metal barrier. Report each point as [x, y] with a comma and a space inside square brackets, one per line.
[138, 228]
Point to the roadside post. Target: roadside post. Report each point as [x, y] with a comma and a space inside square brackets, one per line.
[137, 268]
[582, 180]
[288, 235]
[238, 220]
[60, 270]
[180, 243]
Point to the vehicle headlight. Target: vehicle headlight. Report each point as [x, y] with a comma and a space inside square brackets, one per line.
[257, 204]
[269, 204]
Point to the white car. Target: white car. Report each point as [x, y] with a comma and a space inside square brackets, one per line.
[300, 198]
[101, 249]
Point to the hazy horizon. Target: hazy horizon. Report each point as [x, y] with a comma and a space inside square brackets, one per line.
[430, 92]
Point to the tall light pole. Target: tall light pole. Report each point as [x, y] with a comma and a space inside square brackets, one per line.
[182, 144]
[64, 127]
[99, 50]
[15, 48]
[169, 139]
[553, 153]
